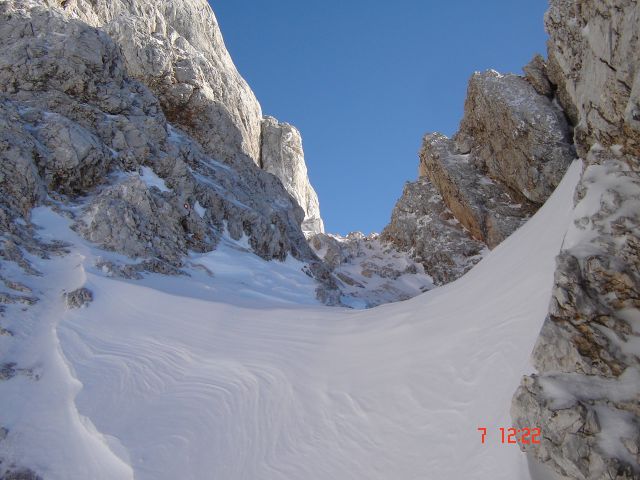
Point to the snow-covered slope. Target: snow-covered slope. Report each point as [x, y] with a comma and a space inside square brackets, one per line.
[217, 380]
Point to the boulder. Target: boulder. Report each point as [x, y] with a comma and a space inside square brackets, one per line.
[516, 135]
[485, 208]
[79, 298]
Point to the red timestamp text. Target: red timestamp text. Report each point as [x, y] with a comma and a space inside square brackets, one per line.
[513, 436]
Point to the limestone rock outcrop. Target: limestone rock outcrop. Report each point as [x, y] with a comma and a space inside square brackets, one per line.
[281, 154]
[83, 132]
[515, 135]
[593, 56]
[177, 50]
[585, 394]
[512, 149]
[482, 205]
[422, 225]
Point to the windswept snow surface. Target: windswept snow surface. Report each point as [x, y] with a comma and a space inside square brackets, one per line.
[212, 378]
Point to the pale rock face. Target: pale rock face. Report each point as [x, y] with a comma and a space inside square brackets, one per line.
[177, 50]
[516, 135]
[79, 130]
[593, 48]
[587, 355]
[282, 155]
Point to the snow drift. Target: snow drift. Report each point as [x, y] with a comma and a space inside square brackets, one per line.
[235, 376]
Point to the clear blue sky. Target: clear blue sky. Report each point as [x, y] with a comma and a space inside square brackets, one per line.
[363, 80]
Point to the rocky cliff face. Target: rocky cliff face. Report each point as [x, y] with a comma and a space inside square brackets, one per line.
[282, 155]
[513, 146]
[87, 115]
[176, 49]
[515, 135]
[422, 225]
[585, 395]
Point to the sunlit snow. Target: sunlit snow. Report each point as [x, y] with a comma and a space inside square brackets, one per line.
[237, 372]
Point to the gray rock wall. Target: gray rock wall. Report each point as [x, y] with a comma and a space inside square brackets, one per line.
[422, 225]
[585, 396]
[487, 209]
[515, 135]
[82, 131]
[176, 49]
[512, 149]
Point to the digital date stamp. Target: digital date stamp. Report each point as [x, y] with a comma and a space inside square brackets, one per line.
[513, 436]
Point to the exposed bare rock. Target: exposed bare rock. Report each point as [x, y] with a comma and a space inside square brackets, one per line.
[75, 115]
[559, 82]
[20, 474]
[133, 271]
[516, 135]
[76, 161]
[594, 51]
[585, 397]
[78, 298]
[137, 221]
[485, 208]
[7, 371]
[588, 337]
[513, 148]
[21, 187]
[536, 74]
[423, 226]
[282, 155]
[578, 421]
[176, 49]
[370, 271]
